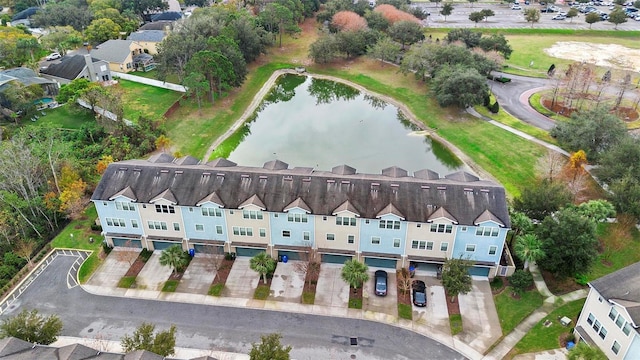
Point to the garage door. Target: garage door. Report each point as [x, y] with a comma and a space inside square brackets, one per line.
[335, 259]
[479, 271]
[127, 243]
[249, 252]
[162, 245]
[292, 255]
[209, 249]
[381, 263]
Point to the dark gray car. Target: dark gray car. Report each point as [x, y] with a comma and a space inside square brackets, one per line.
[381, 282]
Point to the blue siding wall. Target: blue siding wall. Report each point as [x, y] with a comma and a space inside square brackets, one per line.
[634, 349]
[281, 223]
[387, 236]
[110, 211]
[193, 215]
[482, 243]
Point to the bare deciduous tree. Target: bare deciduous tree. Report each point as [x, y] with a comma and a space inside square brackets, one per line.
[309, 266]
[550, 165]
[125, 254]
[404, 281]
[214, 256]
[24, 249]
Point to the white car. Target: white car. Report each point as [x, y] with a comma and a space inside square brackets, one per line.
[637, 18]
[516, 7]
[558, 17]
[53, 56]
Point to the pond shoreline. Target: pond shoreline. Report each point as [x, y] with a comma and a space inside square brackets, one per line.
[268, 85]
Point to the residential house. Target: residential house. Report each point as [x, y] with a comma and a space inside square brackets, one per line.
[25, 77]
[73, 67]
[24, 16]
[119, 54]
[388, 220]
[167, 16]
[148, 39]
[611, 314]
[158, 25]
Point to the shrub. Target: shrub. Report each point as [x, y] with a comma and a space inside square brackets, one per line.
[106, 248]
[495, 107]
[581, 279]
[520, 280]
[96, 227]
[145, 255]
[486, 102]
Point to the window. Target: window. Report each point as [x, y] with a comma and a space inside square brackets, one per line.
[219, 229]
[463, 228]
[331, 237]
[366, 221]
[211, 212]
[487, 231]
[324, 218]
[493, 250]
[627, 328]
[441, 228]
[306, 236]
[619, 321]
[167, 209]
[596, 326]
[134, 224]
[615, 347]
[471, 248]
[444, 246]
[389, 224]
[429, 245]
[351, 239]
[199, 227]
[127, 206]
[418, 244]
[603, 333]
[297, 218]
[157, 225]
[590, 319]
[116, 222]
[286, 233]
[263, 232]
[252, 214]
[613, 313]
[346, 221]
[375, 240]
[176, 226]
[396, 243]
[242, 231]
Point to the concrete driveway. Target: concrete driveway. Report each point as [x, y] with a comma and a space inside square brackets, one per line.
[287, 283]
[381, 304]
[481, 326]
[114, 267]
[199, 275]
[242, 281]
[153, 275]
[331, 290]
[435, 316]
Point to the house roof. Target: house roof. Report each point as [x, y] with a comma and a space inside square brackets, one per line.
[147, 35]
[69, 67]
[25, 14]
[157, 25]
[167, 15]
[622, 287]
[22, 75]
[115, 51]
[298, 203]
[324, 192]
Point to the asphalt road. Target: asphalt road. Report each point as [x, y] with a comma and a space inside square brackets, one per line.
[220, 328]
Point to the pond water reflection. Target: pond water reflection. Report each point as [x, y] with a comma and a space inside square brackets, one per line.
[318, 123]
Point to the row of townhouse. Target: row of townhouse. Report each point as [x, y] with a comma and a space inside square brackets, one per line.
[386, 220]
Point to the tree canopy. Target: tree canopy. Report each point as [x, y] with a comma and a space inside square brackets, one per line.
[455, 277]
[269, 348]
[143, 338]
[355, 273]
[459, 86]
[32, 327]
[542, 199]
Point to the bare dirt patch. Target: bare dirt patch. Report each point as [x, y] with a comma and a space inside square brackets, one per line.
[606, 55]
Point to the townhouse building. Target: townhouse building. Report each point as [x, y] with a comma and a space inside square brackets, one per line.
[610, 316]
[391, 219]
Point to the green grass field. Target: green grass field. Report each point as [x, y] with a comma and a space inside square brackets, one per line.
[66, 117]
[455, 322]
[621, 247]
[512, 311]
[546, 338]
[143, 100]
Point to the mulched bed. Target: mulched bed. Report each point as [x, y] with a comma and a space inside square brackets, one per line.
[560, 286]
[624, 113]
[404, 298]
[355, 295]
[136, 267]
[223, 272]
[453, 307]
[311, 278]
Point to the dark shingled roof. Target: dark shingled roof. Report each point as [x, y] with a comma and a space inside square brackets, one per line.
[324, 192]
[75, 352]
[25, 14]
[69, 67]
[147, 35]
[167, 15]
[623, 287]
[11, 345]
[158, 25]
[142, 355]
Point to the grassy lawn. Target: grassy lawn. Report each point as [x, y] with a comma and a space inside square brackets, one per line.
[405, 311]
[143, 100]
[127, 282]
[455, 322]
[170, 285]
[66, 117]
[546, 338]
[621, 244]
[153, 74]
[262, 292]
[512, 311]
[308, 297]
[355, 303]
[216, 290]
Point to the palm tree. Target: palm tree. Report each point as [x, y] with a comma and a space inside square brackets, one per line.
[585, 352]
[520, 224]
[528, 248]
[174, 257]
[355, 273]
[263, 264]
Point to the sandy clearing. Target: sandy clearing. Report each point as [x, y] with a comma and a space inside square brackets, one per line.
[606, 55]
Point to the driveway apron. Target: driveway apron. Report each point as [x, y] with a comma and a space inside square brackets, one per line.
[435, 315]
[382, 304]
[199, 275]
[242, 281]
[331, 290]
[153, 275]
[479, 317]
[287, 283]
[113, 268]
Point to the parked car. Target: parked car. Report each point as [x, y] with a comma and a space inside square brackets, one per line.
[637, 18]
[53, 56]
[419, 293]
[558, 17]
[516, 7]
[381, 282]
